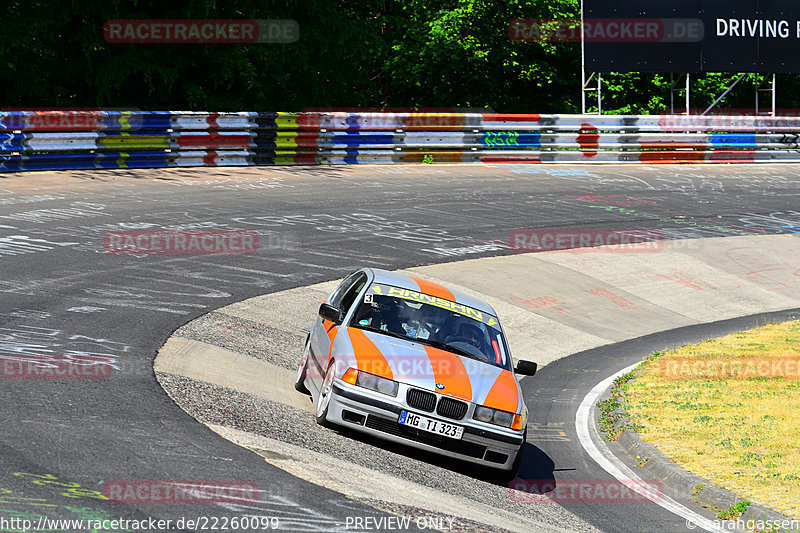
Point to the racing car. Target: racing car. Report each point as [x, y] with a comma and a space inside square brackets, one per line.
[414, 362]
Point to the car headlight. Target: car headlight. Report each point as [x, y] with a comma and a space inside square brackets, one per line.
[493, 416]
[371, 381]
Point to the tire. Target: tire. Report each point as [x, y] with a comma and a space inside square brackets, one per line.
[324, 398]
[299, 382]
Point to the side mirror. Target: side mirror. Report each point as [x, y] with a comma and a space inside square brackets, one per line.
[329, 312]
[526, 368]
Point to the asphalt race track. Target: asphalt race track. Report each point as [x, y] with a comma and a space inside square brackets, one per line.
[63, 296]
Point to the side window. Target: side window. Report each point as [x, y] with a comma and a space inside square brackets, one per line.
[352, 292]
[336, 297]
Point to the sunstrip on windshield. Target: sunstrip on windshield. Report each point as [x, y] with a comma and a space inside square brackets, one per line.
[414, 296]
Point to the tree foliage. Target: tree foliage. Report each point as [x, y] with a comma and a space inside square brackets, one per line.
[351, 53]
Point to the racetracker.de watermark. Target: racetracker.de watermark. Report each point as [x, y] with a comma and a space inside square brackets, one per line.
[392, 118]
[180, 492]
[411, 366]
[659, 30]
[721, 368]
[399, 523]
[32, 119]
[585, 491]
[197, 31]
[740, 524]
[731, 120]
[586, 240]
[146, 524]
[54, 367]
[180, 242]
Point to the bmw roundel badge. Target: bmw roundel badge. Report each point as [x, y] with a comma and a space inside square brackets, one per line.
[440, 386]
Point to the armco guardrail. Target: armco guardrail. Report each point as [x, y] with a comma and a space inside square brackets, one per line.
[61, 140]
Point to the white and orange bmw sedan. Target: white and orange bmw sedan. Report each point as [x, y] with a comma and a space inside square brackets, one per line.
[416, 363]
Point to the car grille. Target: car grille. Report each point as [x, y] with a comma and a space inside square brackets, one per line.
[387, 425]
[420, 399]
[426, 401]
[450, 408]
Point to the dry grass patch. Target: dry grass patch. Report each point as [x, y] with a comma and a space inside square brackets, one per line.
[728, 410]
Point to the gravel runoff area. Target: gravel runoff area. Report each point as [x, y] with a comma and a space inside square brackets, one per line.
[222, 406]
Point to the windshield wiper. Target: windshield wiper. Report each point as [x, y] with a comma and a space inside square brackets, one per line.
[384, 332]
[453, 349]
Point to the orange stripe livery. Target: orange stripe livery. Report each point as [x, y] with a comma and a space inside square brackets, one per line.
[449, 370]
[369, 357]
[503, 394]
[330, 329]
[434, 289]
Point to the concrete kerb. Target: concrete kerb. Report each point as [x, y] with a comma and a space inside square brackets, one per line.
[591, 283]
[212, 364]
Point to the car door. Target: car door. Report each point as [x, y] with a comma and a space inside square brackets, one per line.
[325, 331]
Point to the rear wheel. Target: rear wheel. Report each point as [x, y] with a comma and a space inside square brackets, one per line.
[324, 399]
[299, 382]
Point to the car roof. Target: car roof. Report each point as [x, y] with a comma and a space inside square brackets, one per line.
[413, 283]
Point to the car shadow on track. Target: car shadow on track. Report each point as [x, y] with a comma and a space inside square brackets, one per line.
[536, 464]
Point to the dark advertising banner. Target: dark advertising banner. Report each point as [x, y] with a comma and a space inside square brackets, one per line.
[692, 36]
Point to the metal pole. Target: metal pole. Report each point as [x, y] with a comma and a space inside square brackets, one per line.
[583, 68]
[599, 93]
[687, 95]
[774, 90]
[723, 95]
[758, 86]
[671, 93]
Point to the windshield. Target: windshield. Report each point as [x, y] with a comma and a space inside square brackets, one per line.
[433, 321]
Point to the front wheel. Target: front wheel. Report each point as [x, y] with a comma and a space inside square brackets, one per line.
[324, 399]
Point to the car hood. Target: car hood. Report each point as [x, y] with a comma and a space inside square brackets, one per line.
[429, 368]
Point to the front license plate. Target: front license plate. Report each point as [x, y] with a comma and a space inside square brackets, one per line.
[431, 425]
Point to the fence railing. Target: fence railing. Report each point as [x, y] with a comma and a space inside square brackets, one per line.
[61, 140]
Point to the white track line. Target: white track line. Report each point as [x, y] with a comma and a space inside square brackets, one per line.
[615, 467]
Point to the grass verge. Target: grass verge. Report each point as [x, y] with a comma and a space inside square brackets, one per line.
[726, 409]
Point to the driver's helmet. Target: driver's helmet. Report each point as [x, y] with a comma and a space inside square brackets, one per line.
[473, 334]
[387, 306]
[408, 318]
[392, 314]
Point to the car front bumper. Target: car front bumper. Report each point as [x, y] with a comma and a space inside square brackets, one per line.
[377, 414]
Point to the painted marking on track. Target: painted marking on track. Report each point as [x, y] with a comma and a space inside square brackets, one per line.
[608, 462]
[22, 244]
[549, 432]
[33, 314]
[291, 515]
[249, 270]
[615, 298]
[42, 216]
[86, 309]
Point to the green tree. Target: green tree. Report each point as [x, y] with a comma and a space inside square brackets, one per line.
[351, 53]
